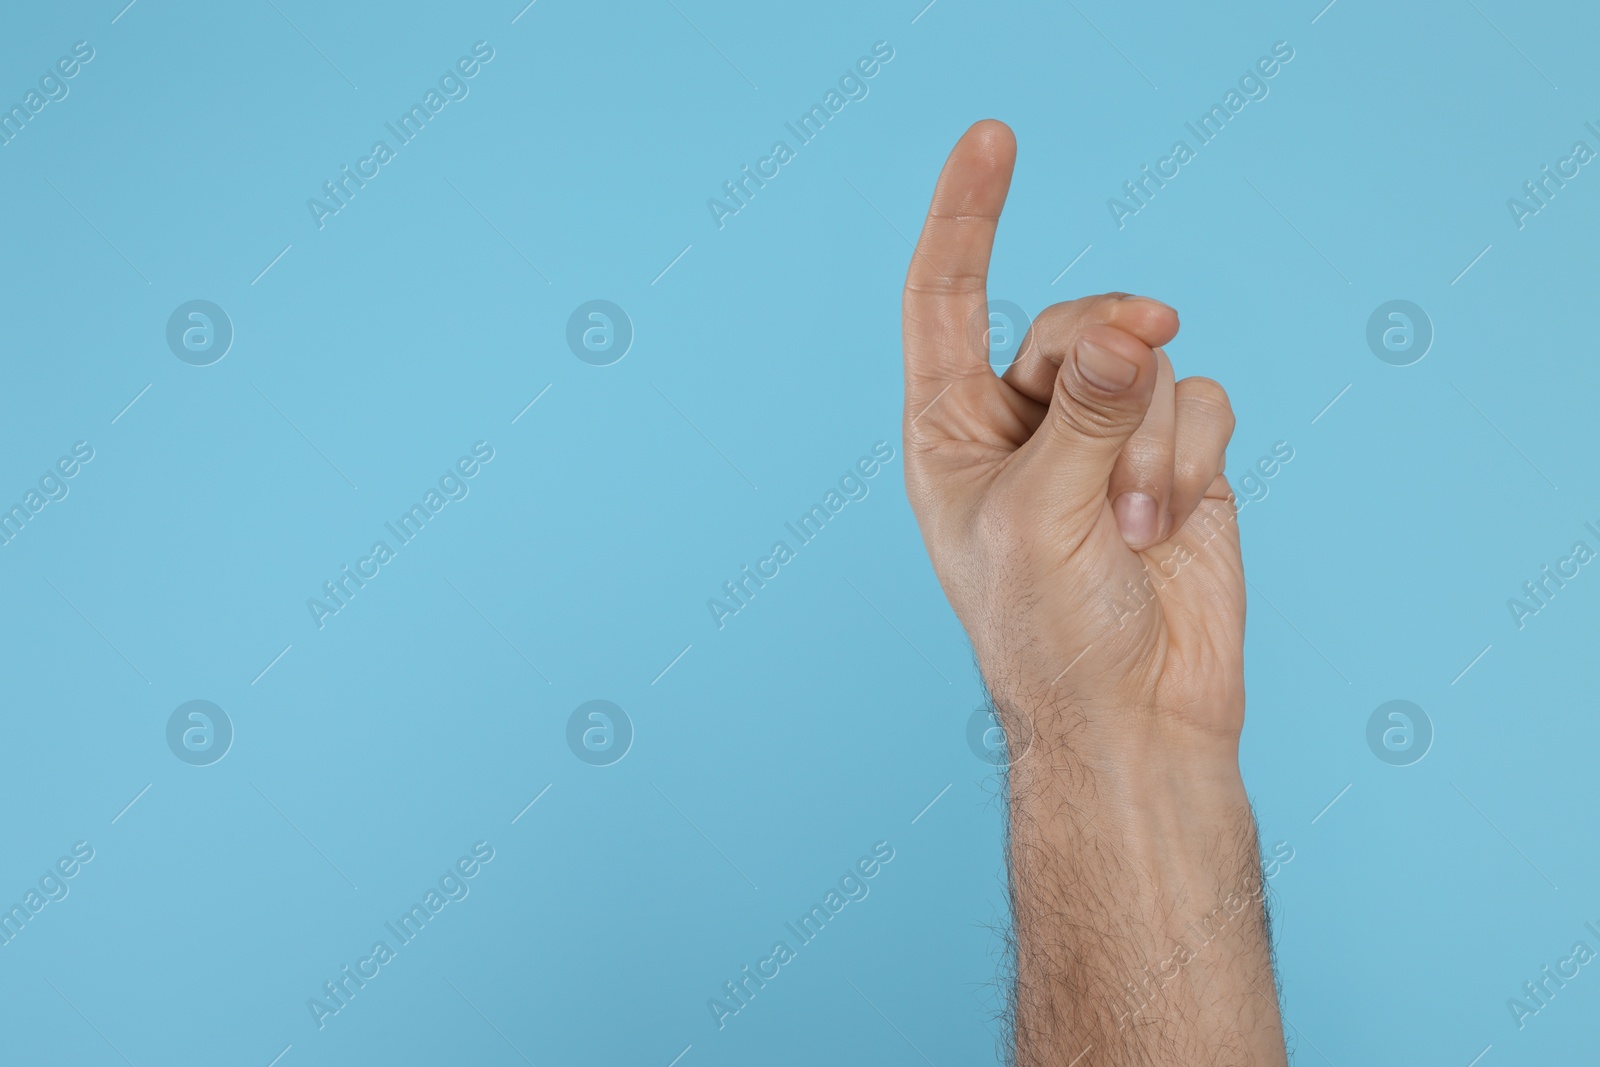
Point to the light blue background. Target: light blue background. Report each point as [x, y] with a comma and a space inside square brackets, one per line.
[827, 715]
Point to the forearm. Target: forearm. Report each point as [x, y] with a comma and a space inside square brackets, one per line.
[1137, 893]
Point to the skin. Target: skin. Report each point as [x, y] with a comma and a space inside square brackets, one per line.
[1078, 519]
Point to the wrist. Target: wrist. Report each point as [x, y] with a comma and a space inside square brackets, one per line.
[1124, 755]
[1159, 819]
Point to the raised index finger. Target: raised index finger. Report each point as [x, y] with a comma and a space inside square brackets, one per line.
[945, 285]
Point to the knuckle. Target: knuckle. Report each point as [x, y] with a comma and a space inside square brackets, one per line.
[1055, 330]
[1211, 399]
[933, 282]
[1068, 314]
[1078, 408]
[1082, 417]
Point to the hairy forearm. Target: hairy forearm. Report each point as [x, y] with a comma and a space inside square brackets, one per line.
[1137, 891]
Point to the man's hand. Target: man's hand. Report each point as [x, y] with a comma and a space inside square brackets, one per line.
[1077, 515]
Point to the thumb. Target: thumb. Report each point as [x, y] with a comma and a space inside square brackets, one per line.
[1102, 391]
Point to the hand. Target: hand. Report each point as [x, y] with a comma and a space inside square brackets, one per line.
[1078, 519]
[1075, 509]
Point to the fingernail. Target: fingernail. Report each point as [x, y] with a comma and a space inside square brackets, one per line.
[1125, 297]
[1104, 368]
[1135, 298]
[1136, 517]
